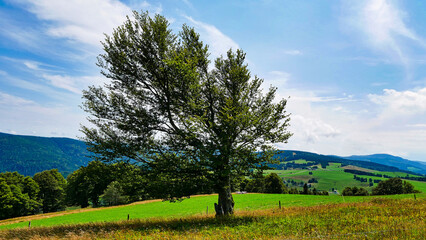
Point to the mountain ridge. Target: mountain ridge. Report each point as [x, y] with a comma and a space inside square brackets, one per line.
[391, 160]
[31, 154]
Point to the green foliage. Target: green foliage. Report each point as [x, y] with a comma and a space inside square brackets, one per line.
[274, 184]
[52, 190]
[256, 184]
[184, 123]
[271, 183]
[18, 195]
[113, 195]
[87, 184]
[393, 186]
[355, 191]
[29, 155]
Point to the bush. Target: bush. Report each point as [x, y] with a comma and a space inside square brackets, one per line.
[274, 184]
[113, 195]
[355, 191]
[394, 186]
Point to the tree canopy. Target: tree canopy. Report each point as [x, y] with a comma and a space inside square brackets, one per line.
[393, 186]
[52, 190]
[182, 118]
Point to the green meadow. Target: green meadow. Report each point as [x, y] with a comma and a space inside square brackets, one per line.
[257, 217]
[198, 205]
[334, 177]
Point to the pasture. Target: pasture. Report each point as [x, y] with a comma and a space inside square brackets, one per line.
[334, 177]
[189, 207]
[308, 216]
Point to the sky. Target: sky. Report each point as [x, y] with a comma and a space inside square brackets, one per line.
[354, 72]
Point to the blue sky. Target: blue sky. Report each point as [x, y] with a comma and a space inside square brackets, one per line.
[355, 71]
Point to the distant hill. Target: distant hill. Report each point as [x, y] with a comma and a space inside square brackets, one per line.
[29, 154]
[386, 159]
[290, 155]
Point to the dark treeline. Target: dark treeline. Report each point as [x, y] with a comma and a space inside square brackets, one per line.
[423, 179]
[272, 183]
[97, 184]
[20, 196]
[101, 184]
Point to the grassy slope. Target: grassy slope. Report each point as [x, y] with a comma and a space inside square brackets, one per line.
[192, 206]
[377, 218]
[334, 177]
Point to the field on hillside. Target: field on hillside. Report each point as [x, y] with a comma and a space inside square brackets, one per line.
[333, 176]
[393, 217]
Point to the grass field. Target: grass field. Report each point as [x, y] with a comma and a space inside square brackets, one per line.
[334, 177]
[321, 217]
[192, 206]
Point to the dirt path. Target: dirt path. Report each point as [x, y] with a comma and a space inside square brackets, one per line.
[62, 213]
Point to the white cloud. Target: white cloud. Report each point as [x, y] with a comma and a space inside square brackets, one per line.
[218, 42]
[293, 52]
[350, 125]
[80, 21]
[7, 99]
[312, 130]
[73, 84]
[276, 78]
[398, 103]
[26, 117]
[383, 26]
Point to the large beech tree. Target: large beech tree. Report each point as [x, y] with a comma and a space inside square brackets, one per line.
[186, 122]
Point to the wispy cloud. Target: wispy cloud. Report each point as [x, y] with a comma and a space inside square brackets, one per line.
[8, 99]
[293, 52]
[31, 118]
[219, 43]
[384, 28]
[80, 21]
[73, 84]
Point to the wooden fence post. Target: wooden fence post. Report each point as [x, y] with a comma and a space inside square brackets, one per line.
[207, 211]
[128, 217]
[279, 204]
[29, 224]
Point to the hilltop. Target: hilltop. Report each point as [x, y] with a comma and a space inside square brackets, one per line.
[30, 154]
[386, 159]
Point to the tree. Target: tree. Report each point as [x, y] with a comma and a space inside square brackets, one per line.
[114, 194]
[88, 183]
[18, 195]
[274, 184]
[355, 191]
[52, 190]
[347, 191]
[305, 189]
[393, 186]
[165, 108]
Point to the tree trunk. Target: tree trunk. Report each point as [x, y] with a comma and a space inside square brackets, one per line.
[225, 205]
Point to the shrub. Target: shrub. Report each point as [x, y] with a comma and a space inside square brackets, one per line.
[393, 186]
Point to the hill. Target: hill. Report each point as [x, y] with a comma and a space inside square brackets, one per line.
[30, 154]
[386, 159]
[290, 155]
